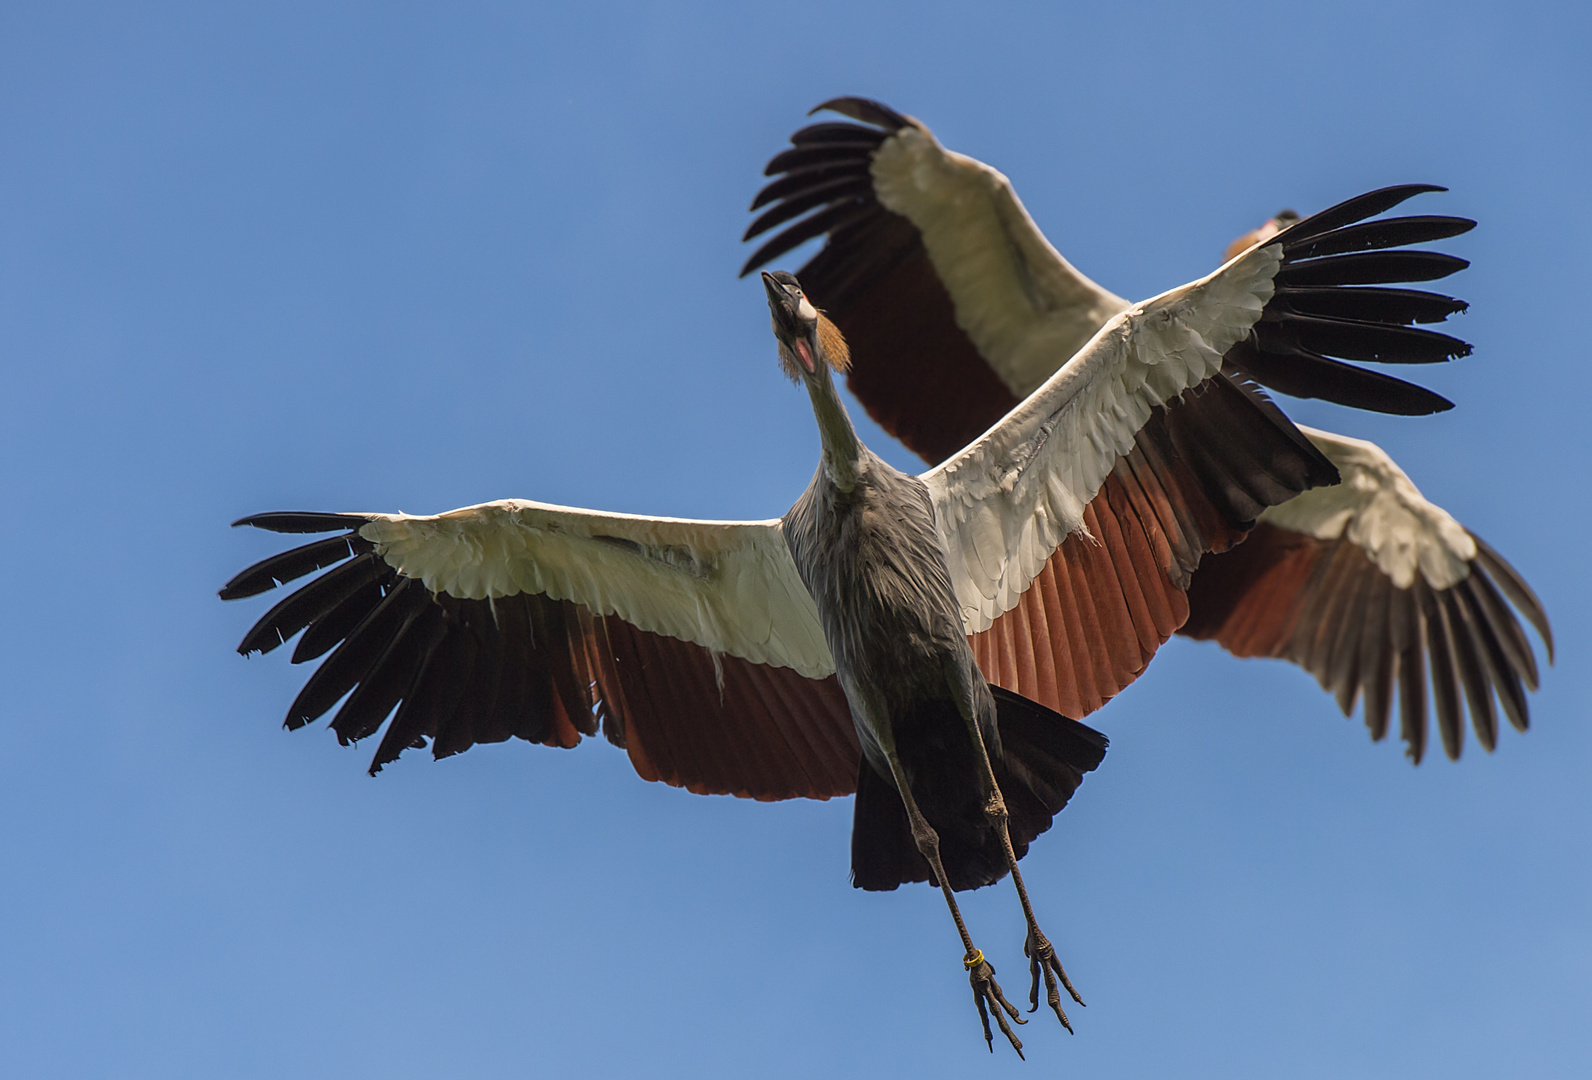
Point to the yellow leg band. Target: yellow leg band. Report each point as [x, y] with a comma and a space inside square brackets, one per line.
[973, 959]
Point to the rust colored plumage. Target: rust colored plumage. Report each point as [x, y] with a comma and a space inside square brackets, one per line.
[1248, 598]
[836, 353]
[549, 671]
[1104, 603]
[1324, 605]
[725, 726]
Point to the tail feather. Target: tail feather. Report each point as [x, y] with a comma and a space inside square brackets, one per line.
[883, 854]
[1044, 756]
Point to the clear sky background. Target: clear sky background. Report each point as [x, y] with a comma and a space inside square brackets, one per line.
[409, 257]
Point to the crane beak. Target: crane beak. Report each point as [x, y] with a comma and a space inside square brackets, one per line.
[791, 329]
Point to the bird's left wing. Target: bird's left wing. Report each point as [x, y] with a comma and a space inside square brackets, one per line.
[693, 643]
[1367, 585]
[1072, 526]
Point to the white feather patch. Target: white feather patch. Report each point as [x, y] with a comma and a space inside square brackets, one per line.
[1381, 510]
[1025, 307]
[729, 586]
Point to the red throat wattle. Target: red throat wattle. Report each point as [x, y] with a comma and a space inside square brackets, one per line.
[805, 352]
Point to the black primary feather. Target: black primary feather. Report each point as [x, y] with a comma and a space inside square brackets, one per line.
[299, 609]
[858, 153]
[352, 660]
[835, 132]
[1351, 211]
[841, 188]
[1374, 235]
[301, 521]
[836, 216]
[866, 110]
[1514, 586]
[1368, 304]
[389, 678]
[293, 564]
[1370, 268]
[1308, 375]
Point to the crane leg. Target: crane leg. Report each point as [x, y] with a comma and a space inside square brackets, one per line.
[1042, 959]
[980, 973]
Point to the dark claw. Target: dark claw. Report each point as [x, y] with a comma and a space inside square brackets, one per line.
[1042, 960]
[986, 989]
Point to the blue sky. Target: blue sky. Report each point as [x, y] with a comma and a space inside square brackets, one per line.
[387, 256]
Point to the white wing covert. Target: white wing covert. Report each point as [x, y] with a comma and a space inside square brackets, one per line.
[728, 586]
[1015, 296]
[1378, 508]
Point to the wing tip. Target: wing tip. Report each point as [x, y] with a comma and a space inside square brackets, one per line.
[299, 521]
[864, 109]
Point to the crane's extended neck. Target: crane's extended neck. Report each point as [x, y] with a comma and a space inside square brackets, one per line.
[843, 451]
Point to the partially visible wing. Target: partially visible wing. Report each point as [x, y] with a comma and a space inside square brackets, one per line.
[956, 307]
[1140, 455]
[692, 643]
[946, 290]
[1368, 586]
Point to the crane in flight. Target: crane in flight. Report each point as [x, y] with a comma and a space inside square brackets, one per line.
[957, 307]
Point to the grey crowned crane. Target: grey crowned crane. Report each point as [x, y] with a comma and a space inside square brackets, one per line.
[829, 651]
[957, 307]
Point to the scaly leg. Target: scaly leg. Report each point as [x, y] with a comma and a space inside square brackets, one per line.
[980, 973]
[1042, 959]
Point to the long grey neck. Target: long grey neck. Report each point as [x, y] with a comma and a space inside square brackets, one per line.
[843, 451]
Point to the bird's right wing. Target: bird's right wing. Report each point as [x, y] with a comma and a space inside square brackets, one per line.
[1073, 526]
[694, 643]
[1367, 585]
[945, 288]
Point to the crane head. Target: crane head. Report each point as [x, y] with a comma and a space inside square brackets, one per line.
[807, 340]
[1271, 228]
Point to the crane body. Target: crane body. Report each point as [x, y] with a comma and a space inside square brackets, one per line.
[865, 541]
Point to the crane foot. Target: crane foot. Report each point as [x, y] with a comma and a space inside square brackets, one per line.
[989, 999]
[1042, 960]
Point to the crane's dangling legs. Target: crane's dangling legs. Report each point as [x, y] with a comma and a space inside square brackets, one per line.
[980, 973]
[1041, 954]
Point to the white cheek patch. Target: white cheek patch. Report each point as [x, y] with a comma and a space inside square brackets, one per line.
[806, 310]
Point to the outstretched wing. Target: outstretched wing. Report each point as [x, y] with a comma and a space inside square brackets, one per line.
[1369, 586]
[693, 644]
[1074, 525]
[950, 297]
[956, 307]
